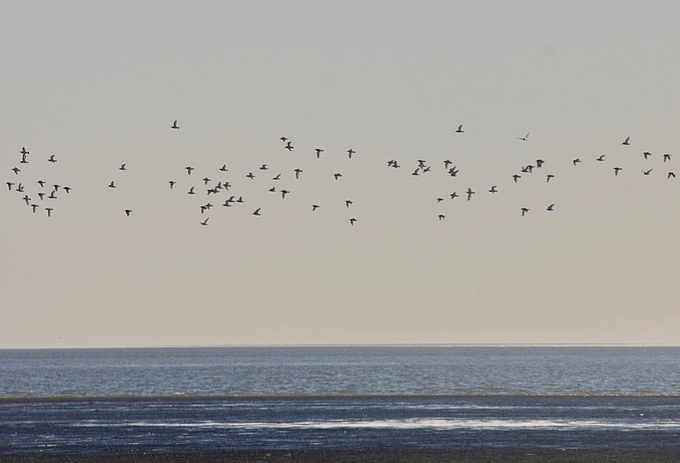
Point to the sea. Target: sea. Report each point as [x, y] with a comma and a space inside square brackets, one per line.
[186, 400]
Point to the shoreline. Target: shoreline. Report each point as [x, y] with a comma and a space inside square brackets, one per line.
[378, 456]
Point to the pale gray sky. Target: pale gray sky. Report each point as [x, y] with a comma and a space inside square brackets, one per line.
[98, 84]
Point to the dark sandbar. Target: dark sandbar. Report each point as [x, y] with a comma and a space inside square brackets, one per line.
[409, 456]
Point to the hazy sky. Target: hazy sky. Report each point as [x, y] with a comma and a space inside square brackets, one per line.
[98, 84]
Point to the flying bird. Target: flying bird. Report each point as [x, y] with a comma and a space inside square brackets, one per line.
[617, 170]
[318, 152]
[49, 211]
[524, 138]
[123, 167]
[647, 172]
[337, 175]
[626, 141]
[205, 222]
[469, 193]
[551, 207]
[548, 177]
[175, 126]
[666, 157]
[257, 212]
[601, 158]
[646, 154]
[493, 189]
[352, 220]
[350, 152]
[441, 216]
[111, 185]
[128, 212]
[670, 174]
[289, 147]
[52, 159]
[576, 161]
[315, 207]
[297, 173]
[224, 168]
[460, 129]
[171, 183]
[524, 210]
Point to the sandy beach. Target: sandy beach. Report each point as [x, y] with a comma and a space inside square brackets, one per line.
[462, 456]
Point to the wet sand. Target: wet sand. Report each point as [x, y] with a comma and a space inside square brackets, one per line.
[462, 456]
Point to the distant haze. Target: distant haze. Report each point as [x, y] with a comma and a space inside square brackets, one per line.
[99, 84]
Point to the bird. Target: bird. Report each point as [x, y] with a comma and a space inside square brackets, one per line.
[576, 161]
[469, 193]
[49, 211]
[191, 191]
[264, 167]
[460, 129]
[123, 167]
[128, 212]
[26, 199]
[23, 159]
[453, 195]
[453, 172]
[493, 189]
[41, 183]
[289, 147]
[337, 175]
[41, 196]
[441, 216]
[272, 189]
[175, 126]
[516, 177]
[284, 193]
[171, 183]
[646, 154]
[206, 180]
[51, 159]
[524, 138]
[318, 152]
[439, 200]
[626, 141]
[315, 207]
[298, 172]
[283, 139]
[250, 175]
[666, 157]
[34, 207]
[352, 220]
[548, 177]
[16, 170]
[205, 222]
[524, 210]
[224, 168]
[670, 174]
[447, 163]
[417, 171]
[348, 203]
[257, 211]
[617, 170]
[20, 187]
[539, 163]
[647, 172]
[551, 207]
[112, 185]
[277, 177]
[189, 170]
[601, 158]
[24, 151]
[350, 152]
[67, 189]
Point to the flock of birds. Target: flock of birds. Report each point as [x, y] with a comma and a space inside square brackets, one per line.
[42, 194]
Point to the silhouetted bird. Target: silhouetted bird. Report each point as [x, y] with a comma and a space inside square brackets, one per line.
[454, 195]
[128, 212]
[112, 185]
[539, 163]
[516, 177]
[16, 170]
[289, 147]
[551, 207]
[601, 158]
[318, 152]
[617, 170]
[224, 168]
[52, 159]
[250, 175]
[49, 211]
[548, 177]
[647, 172]
[469, 193]
[646, 154]
[493, 189]
[264, 167]
[257, 211]
[277, 177]
[524, 138]
[576, 161]
[348, 203]
[670, 174]
[191, 191]
[284, 193]
[666, 157]
[337, 175]
[460, 129]
[315, 207]
[175, 126]
[205, 222]
[122, 167]
[524, 210]
[34, 207]
[350, 152]
[441, 216]
[171, 183]
[189, 169]
[626, 141]
[352, 220]
[10, 185]
[297, 173]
